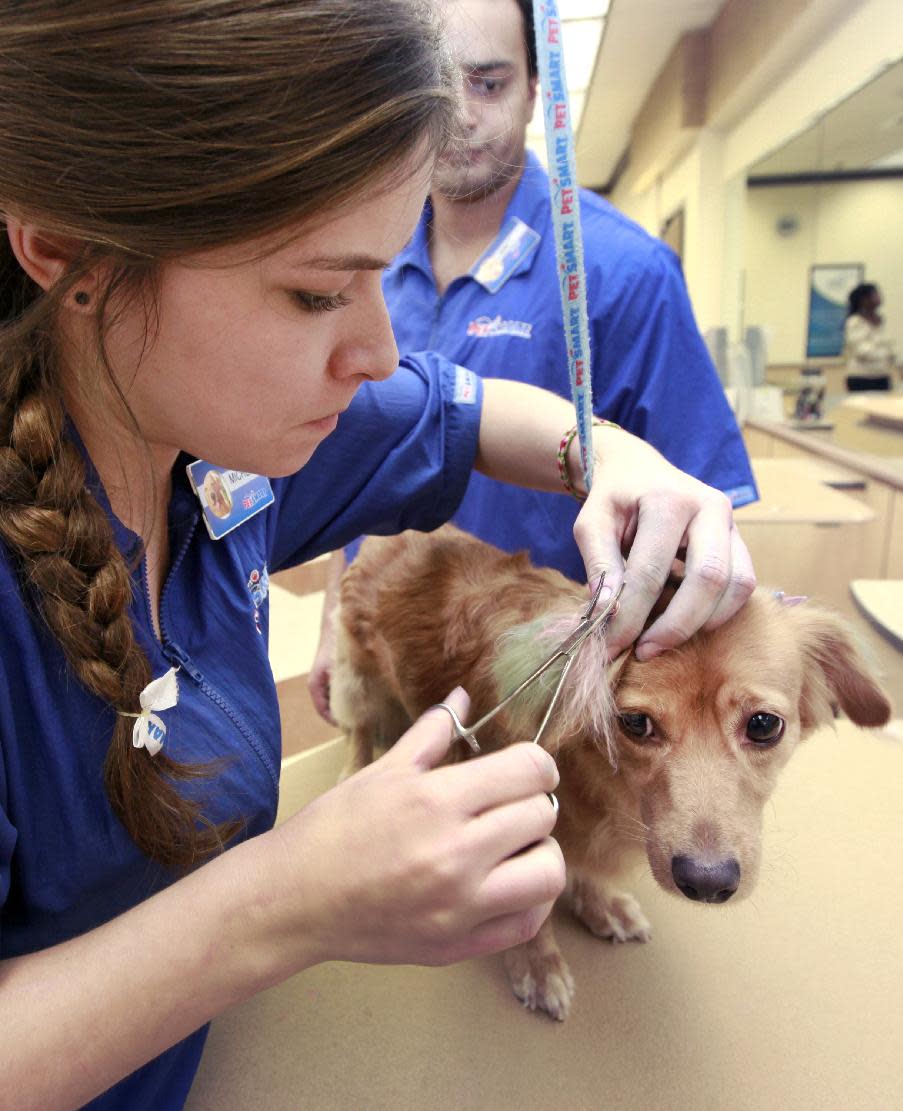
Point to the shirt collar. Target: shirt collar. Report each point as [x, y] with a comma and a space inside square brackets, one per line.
[529, 203]
[183, 505]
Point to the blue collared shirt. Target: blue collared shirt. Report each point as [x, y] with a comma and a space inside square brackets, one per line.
[651, 372]
[400, 458]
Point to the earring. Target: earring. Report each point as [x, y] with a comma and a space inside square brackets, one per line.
[82, 298]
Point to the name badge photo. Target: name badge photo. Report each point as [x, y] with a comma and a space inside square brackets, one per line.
[228, 498]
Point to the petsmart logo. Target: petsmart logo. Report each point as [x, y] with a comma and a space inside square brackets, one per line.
[485, 326]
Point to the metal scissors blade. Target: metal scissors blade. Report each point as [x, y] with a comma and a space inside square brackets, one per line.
[567, 651]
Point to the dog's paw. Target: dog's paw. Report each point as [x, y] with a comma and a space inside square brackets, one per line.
[616, 918]
[541, 983]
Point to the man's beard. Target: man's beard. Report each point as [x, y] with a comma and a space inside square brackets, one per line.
[461, 183]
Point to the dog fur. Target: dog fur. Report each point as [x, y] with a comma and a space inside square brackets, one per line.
[420, 613]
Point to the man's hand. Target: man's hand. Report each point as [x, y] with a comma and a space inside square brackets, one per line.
[320, 674]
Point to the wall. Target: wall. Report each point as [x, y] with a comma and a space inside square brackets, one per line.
[859, 46]
[835, 50]
[845, 222]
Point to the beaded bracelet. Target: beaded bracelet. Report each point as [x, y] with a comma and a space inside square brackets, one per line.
[566, 440]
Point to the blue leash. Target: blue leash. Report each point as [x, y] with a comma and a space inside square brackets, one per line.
[565, 201]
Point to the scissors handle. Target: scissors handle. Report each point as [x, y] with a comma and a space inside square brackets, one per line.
[462, 732]
[566, 651]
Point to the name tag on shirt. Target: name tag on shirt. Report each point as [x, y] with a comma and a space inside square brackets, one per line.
[498, 262]
[228, 498]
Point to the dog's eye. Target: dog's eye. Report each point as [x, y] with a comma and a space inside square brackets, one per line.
[765, 729]
[637, 725]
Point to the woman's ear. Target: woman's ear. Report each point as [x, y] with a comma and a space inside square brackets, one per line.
[43, 256]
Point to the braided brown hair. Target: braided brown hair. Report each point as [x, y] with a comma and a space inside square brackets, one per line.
[143, 131]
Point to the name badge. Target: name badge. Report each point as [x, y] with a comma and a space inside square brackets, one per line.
[228, 498]
[514, 243]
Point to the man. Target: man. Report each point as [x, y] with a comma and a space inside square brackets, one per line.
[479, 283]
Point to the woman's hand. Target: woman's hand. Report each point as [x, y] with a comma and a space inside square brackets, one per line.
[643, 506]
[640, 505]
[407, 862]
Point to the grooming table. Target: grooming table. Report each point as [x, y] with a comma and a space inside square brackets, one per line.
[791, 999]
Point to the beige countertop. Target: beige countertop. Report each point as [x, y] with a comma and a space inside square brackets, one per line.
[879, 408]
[792, 999]
[853, 441]
[881, 600]
[796, 491]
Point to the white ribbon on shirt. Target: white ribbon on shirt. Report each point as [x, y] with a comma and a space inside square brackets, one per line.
[160, 694]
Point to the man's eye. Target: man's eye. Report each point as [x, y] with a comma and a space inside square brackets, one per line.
[486, 86]
[637, 725]
[765, 729]
[320, 302]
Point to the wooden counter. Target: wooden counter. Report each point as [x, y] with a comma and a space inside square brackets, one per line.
[878, 408]
[875, 550]
[804, 535]
[798, 492]
[881, 600]
[852, 442]
[791, 999]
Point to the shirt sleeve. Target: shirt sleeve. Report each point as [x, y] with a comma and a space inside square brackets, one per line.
[400, 458]
[653, 375]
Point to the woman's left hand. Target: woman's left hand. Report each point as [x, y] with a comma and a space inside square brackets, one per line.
[643, 506]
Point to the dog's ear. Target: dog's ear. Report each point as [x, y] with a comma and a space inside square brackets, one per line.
[585, 707]
[836, 672]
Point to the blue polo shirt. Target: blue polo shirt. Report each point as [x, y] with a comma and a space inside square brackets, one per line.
[651, 372]
[399, 459]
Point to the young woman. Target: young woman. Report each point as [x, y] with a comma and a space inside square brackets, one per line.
[866, 345]
[198, 198]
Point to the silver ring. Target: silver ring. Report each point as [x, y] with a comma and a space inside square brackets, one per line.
[554, 801]
[461, 730]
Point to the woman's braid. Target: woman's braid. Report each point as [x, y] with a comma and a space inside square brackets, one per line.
[82, 588]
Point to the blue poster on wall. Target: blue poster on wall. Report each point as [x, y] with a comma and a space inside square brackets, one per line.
[829, 287]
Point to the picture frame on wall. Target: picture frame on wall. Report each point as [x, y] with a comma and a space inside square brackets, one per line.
[829, 288]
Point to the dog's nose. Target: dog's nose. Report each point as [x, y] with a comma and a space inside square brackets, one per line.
[706, 881]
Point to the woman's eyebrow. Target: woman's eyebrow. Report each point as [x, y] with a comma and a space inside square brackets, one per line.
[342, 262]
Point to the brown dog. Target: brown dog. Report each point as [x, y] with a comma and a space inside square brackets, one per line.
[675, 756]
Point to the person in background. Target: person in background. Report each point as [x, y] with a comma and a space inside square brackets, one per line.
[197, 200]
[479, 282]
[867, 349]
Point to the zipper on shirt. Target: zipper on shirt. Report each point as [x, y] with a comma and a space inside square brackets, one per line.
[176, 655]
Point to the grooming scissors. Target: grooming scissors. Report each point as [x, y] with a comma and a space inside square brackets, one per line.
[566, 651]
